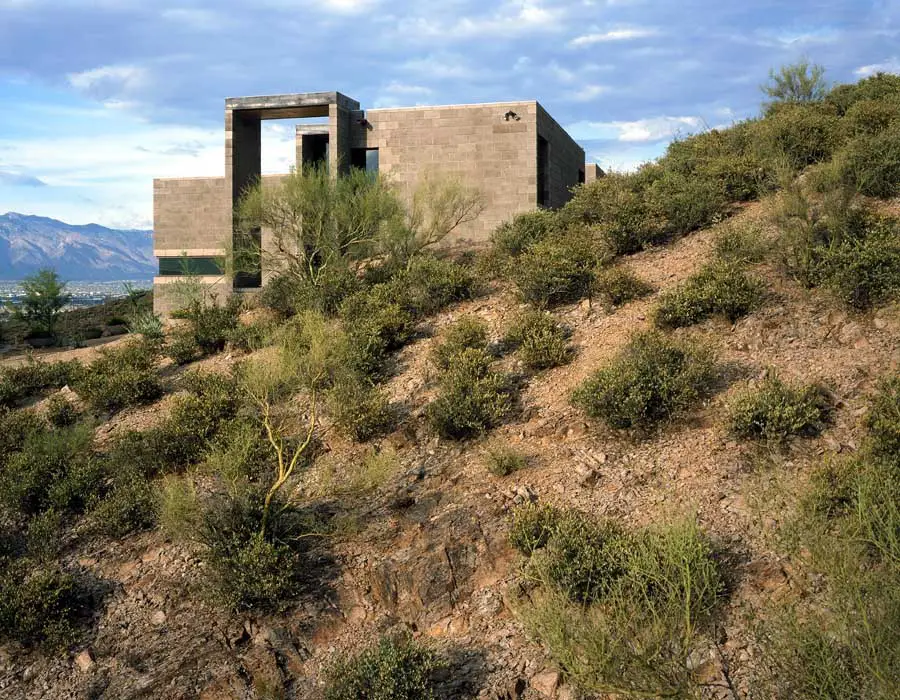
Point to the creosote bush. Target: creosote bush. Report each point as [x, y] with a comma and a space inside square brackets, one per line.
[871, 163]
[740, 244]
[618, 285]
[61, 412]
[883, 420]
[540, 341]
[776, 411]
[620, 611]
[360, 409]
[34, 377]
[121, 377]
[397, 668]
[472, 398]
[719, 288]
[467, 332]
[502, 459]
[653, 379]
[556, 270]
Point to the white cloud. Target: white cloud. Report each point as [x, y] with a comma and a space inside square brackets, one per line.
[638, 131]
[442, 66]
[515, 17]
[589, 92]
[196, 18]
[623, 34]
[892, 65]
[110, 82]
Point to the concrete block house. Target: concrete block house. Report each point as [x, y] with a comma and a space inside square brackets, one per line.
[514, 152]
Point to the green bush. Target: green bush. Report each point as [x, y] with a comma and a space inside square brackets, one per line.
[686, 202]
[467, 332]
[801, 134]
[503, 460]
[34, 377]
[719, 288]
[555, 271]
[240, 452]
[618, 285]
[288, 295]
[472, 397]
[880, 87]
[532, 526]
[182, 346]
[621, 611]
[430, 284]
[883, 420]
[776, 411]
[871, 163]
[395, 669]
[870, 117]
[360, 409]
[130, 506]
[616, 206]
[651, 380]
[121, 377]
[376, 324]
[61, 412]
[740, 244]
[539, 340]
[249, 569]
[211, 324]
[514, 237]
[40, 604]
[16, 427]
[54, 469]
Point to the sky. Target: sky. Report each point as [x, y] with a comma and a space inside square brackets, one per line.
[98, 97]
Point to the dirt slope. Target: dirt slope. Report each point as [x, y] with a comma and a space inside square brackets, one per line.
[429, 550]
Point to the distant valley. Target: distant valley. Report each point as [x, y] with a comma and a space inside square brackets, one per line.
[88, 253]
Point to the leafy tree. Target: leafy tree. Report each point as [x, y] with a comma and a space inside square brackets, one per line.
[797, 82]
[45, 297]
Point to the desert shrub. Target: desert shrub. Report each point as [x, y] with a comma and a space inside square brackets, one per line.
[251, 568]
[532, 526]
[539, 340]
[397, 668]
[800, 134]
[862, 269]
[686, 202]
[430, 284]
[618, 285]
[722, 156]
[740, 243]
[40, 604]
[248, 337]
[651, 380]
[54, 469]
[376, 324]
[621, 611]
[16, 427]
[61, 412]
[181, 346]
[239, 452]
[870, 117]
[467, 332]
[871, 163]
[472, 396]
[616, 206]
[503, 460]
[121, 377]
[776, 411]
[288, 294]
[883, 420]
[210, 323]
[357, 476]
[514, 237]
[879, 87]
[147, 324]
[131, 505]
[180, 510]
[719, 288]
[555, 271]
[34, 377]
[360, 409]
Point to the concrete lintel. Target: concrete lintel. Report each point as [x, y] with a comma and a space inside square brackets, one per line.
[282, 104]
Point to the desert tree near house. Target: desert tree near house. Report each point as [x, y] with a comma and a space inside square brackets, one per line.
[797, 82]
[44, 299]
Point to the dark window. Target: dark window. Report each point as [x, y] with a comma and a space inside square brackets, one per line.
[543, 172]
[581, 177]
[365, 159]
[248, 261]
[315, 150]
[184, 265]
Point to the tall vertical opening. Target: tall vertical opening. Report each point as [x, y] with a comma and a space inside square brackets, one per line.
[543, 172]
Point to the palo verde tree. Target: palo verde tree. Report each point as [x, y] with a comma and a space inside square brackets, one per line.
[799, 82]
[43, 301]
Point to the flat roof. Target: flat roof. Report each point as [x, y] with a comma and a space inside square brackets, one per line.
[294, 105]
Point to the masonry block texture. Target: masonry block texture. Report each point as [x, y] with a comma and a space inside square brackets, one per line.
[514, 153]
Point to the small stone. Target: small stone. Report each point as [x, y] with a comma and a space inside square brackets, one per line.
[546, 682]
[158, 618]
[84, 660]
[880, 323]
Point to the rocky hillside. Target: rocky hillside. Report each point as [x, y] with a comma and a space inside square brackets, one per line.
[646, 446]
[87, 253]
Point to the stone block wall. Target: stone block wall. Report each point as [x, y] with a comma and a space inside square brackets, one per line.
[474, 142]
[566, 162]
[190, 215]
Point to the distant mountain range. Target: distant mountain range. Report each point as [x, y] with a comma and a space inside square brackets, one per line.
[89, 253]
